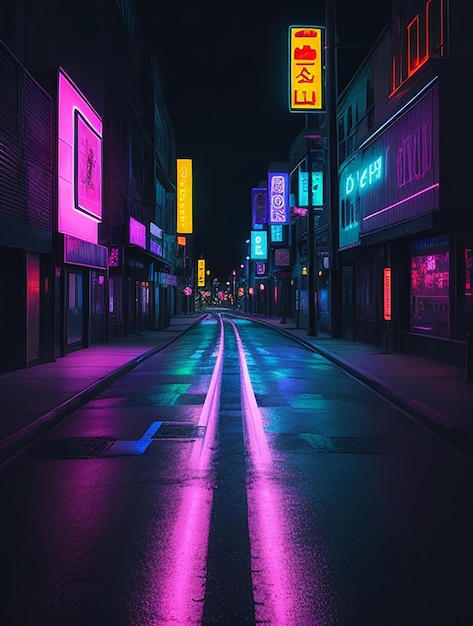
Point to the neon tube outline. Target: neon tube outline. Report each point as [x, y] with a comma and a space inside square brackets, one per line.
[392, 206]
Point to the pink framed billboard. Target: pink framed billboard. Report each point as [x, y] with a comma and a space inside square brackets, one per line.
[79, 163]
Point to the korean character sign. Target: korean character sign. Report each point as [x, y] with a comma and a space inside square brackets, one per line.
[305, 69]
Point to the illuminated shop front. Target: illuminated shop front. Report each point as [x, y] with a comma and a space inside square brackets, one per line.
[429, 289]
[407, 268]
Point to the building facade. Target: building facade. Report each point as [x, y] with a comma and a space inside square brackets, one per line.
[96, 258]
[26, 217]
[405, 221]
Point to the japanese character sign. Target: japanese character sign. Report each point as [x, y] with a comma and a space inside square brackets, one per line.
[305, 69]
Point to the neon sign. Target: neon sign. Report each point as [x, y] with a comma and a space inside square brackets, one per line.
[276, 233]
[417, 40]
[410, 185]
[278, 189]
[184, 196]
[414, 155]
[259, 206]
[259, 244]
[88, 168]
[387, 294]
[305, 69]
[200, 272]
[137, 233]
[403, 201]
[317, 189]
[79, 163]
[361, 179]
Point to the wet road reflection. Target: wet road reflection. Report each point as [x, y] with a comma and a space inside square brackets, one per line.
[237, 478]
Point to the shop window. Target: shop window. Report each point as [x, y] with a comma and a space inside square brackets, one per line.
[430, 302]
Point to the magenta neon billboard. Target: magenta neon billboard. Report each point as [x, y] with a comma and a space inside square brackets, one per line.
[79, 163]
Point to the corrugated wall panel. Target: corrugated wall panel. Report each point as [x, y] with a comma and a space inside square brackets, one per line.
[9, 119]
[25, 146]
[37, 129]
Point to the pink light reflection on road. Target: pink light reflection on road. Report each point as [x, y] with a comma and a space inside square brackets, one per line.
[278, 581]
[181, 589]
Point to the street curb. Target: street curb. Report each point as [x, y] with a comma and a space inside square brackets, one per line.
[459, 436]
[26, 436]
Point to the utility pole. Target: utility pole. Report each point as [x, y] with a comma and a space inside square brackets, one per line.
[311, 244]
[331, 178]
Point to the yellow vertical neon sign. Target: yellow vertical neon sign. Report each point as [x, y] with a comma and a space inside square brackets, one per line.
[305, 68]
[200, 272]
[184, 196]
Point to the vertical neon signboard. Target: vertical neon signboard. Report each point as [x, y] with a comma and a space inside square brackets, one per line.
[278, 198]
[259, 207]
[276, 233]
[305, 69]
[387, 294]
[317, 189]
[259, 245]
[79, 163]
[184, 196]
[200, 272]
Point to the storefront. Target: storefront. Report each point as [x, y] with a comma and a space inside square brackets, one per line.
[81, 283]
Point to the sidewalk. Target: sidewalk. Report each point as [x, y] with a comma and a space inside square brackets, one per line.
[433, 393]
[35, 398]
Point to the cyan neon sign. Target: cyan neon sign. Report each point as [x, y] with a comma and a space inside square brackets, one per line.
[362, 179]
[259, 244]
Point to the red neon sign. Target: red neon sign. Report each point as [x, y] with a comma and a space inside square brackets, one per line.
[387, 294]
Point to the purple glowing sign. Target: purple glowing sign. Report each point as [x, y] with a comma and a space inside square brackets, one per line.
[259, 197]
[278, 205]
[411, 175]
[79, 163]
[155, 248]
[137, 233]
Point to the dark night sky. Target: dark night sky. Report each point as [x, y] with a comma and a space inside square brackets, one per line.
[224, 73]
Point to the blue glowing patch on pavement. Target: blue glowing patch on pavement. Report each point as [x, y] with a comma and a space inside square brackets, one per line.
[133, 448]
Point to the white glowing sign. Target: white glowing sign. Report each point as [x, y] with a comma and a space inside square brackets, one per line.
[278, 190]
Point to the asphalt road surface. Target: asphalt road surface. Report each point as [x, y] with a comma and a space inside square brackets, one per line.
[234, 478]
